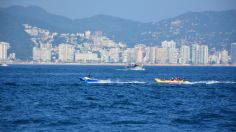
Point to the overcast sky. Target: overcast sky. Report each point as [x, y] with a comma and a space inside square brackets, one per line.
[139, 10]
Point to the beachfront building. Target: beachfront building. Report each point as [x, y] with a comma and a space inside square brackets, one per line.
[41, 54]
[195, 54]
[152, 55]
[224, 57]
[139, 58]
[172, 52]
[4, 46]
[233, 53]
[199, 54]
[161, 55]
[114, 55]
[130, 55]
[173, 56]
[86, 57]
[66, 52]
[184, 54]
[203, 52]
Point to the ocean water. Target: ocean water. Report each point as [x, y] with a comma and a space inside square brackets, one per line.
[51, 98]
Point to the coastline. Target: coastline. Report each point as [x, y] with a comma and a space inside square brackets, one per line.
[114, 64]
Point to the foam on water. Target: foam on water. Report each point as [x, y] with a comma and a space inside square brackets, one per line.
[208, 82]
[118, 82]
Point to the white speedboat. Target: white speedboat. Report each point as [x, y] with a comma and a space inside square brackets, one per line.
[88, 80]
[4, 65]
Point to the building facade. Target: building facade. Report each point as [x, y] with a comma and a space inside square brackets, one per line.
[66, 52]
[199, 54]
[184, 54]
[4, 46]
[233, 53]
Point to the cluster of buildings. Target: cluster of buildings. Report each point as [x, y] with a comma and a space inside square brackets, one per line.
[167, 53]
[95, 47]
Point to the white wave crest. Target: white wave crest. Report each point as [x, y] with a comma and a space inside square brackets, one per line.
[208, 82]
[118, 82]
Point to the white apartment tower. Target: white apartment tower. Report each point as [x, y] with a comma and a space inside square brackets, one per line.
[3, 50]
[199, 54]
[172, 52]
[184, 54]
[195, 54]
[203, 54]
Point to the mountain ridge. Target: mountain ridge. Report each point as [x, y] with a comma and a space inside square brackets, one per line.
[215, 28]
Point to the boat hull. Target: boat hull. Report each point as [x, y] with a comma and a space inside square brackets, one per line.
[88, 80]
[4, 65]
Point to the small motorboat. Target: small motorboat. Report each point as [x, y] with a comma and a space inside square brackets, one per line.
[171, 81]
[88, 80]
[4, 65]
[136, 67]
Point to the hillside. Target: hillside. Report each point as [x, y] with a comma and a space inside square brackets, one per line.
[217, 29]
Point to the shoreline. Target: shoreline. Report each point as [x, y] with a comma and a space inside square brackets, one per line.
[115, 64]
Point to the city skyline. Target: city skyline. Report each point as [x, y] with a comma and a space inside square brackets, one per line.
[94, 47]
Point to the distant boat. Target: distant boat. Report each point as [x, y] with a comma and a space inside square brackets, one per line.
[136, 67]
[88, 80]
[4, 65]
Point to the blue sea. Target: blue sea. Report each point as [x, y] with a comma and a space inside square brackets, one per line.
[52, 98]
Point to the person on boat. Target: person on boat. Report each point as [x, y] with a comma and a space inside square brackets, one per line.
[89, 75]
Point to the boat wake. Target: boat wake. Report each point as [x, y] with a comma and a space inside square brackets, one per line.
[209, 82]
[131, 69]
[117, 82]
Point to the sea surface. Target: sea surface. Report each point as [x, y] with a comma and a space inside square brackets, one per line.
[52, 98]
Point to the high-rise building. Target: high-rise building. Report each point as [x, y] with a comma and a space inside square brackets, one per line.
[195, 54]
[3, 50]
[184, 54]
[233, 53]
[36, 54]
[203, 54]
[139, 55]
[173, 55]
[131, 55]
[152, 52]
[41, 54]
[172, 52]
[199, 54]
[124, 56]
[66, 52]
[161, 55]
[104, 53]
[114, 55]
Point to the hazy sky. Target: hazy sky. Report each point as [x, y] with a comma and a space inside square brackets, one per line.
[139, 10]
